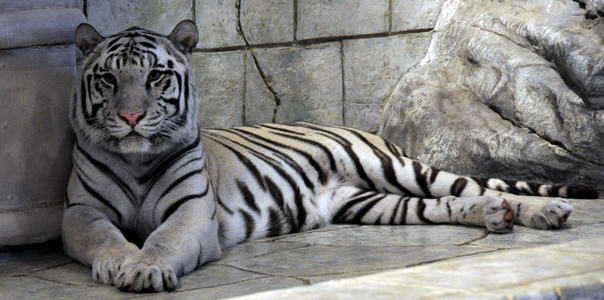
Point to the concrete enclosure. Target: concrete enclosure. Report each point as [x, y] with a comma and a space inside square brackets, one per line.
[329, 62]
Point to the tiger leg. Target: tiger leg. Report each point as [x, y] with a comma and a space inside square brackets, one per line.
[537, 212]
[359, 206]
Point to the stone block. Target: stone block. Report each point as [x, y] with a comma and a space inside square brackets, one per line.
[414, 14]
[372, 68]
[111, 16]
[217, 23]
[7, 5]
[307, 85]
[38, 27]
[220, 88]
[35, 153]
[267, 21]
[321, 18]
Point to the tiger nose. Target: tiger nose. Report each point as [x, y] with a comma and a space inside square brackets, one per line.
[132, 119]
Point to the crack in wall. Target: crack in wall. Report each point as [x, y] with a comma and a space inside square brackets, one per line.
[276, 98]
[313, 41]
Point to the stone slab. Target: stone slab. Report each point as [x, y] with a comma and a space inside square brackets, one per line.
[231, 290]
[8, 5]
[320, 18]
[372, 69]
[414, 14]
[19, 262]
[392, 236]
[322, 260]
[111, 16]
[35, 153]
[267, 21]
[217, 23]
[19, 29]
[307, 80]
[554, 272]
[220, 88]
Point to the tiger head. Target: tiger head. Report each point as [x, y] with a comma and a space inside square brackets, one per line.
[135, 94]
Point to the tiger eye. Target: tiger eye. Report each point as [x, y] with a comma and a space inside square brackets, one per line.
[154, 75]
[109, 78]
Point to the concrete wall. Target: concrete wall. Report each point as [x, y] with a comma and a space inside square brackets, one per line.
[37, 68]
[329, 62]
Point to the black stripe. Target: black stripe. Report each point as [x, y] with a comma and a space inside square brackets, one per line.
[98, 196]
[420, 210]
[363, 211]
[125, 188]
[387, 164]
[248, 165]
[275, 192]
[248, 197]
[274, 223]
[188, 162]
[449, 209]
[180, 202]
[240, 132]
[404, 212]
[147, 45]
[250, 225]
[278, 128]
[433, 174]
[458, 186]
[347, 146]
[179, 181]
[421, 179]
[219, 201]
[160, 167]
[398, 204]
[340, 214]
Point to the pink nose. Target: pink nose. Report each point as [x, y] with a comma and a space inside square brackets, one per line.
[132, 119]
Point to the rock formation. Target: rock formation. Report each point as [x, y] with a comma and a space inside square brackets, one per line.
[510, 89]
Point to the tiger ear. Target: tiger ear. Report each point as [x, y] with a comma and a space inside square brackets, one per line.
[184, 37]
[87, 38]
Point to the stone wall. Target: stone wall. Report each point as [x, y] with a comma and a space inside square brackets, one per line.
[329, 62]
[37, 68]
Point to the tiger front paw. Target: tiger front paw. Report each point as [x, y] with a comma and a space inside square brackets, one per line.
[106, 267]
[145, 274]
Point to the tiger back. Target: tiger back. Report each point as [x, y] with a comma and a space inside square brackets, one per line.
[152, 197]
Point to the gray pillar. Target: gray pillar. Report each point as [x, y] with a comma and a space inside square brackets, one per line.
[37, 71]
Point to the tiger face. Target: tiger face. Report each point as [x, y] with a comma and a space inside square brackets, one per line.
[135, 94]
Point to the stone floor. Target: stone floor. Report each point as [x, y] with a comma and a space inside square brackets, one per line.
[360, 262]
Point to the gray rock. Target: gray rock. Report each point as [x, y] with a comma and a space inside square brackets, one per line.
[414, 14]
[306, 85]
[320, 18]
[217, 23]
[510, 90]
[109, 17]
[372, 68]
[220, 88]
[267, 21]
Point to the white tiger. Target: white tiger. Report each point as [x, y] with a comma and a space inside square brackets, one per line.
[151, 197]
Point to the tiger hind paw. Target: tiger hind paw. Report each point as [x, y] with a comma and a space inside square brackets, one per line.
[499, 216]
